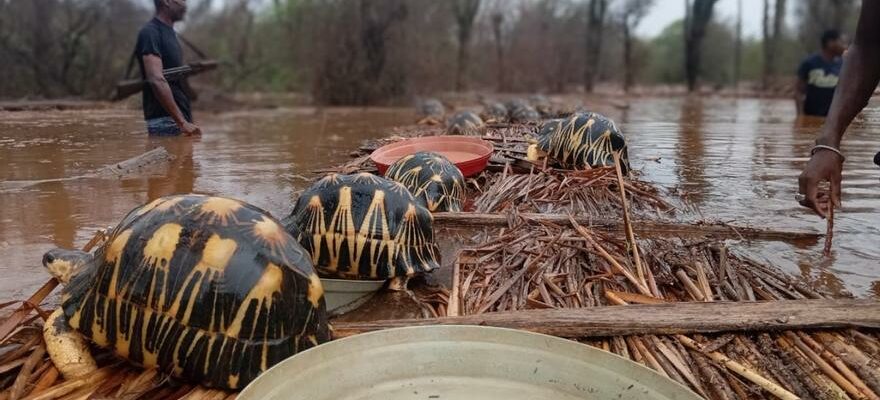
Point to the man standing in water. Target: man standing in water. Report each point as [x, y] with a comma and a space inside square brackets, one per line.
[818, 75]
[166, 105]
[858, 79]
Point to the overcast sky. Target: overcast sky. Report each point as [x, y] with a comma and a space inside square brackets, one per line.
[665, 12]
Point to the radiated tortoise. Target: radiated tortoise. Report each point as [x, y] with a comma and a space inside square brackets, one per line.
[208, 289]
[434, 180]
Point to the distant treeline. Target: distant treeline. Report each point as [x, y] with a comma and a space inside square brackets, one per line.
[380, 51]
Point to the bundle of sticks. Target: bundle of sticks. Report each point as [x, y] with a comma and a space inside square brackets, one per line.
[588, 192]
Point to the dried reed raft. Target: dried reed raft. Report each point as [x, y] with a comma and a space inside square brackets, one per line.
[535, 266]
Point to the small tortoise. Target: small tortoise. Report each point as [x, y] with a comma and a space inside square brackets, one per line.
[541, 104]
[431, 178]
[521, 112]
[208, 289]
[515, 103]
[465, 123]
[364, 227]
[494, 112]
[431, 111]
[581, 141]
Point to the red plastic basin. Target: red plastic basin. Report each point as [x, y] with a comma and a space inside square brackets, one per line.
[469, 154]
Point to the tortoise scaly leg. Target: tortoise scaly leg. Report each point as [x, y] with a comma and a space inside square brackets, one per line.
[67, 348]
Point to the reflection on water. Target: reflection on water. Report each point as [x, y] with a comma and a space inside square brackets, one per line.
[256, 156]
[738, 160]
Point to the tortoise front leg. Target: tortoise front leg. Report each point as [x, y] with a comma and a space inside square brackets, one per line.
[67, 348]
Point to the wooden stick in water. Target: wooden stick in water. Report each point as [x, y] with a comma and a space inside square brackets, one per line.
[630, 236]
[829, 232]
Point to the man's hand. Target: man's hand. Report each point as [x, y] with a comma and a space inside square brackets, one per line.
[190, 129]
[825, 165]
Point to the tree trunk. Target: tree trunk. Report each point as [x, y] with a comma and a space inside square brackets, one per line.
[627, 56]
[737, 55]
[695, 31]
[463, 59]
[766, 46]
[595, 29]
[778, 31]
[465, 14]
[497, 21]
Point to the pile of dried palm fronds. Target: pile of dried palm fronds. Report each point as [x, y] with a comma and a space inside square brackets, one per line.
[590, 192]
[534, 266]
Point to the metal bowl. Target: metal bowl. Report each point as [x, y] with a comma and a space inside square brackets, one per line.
[460, 362]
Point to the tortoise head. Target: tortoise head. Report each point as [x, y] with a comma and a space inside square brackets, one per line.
[63, 263]
[534, 152]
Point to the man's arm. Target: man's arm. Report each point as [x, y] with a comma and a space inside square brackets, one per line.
[858, 79]
[153, 70]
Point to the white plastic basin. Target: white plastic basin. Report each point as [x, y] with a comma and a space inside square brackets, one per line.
[460, 362]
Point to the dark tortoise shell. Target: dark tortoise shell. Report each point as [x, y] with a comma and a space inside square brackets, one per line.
[209, 289]
[584, 140]
[494, 112]
[523, 113]
[364, 227]
[541, 104]
[431, 178]
[431, 108]
[465, 123]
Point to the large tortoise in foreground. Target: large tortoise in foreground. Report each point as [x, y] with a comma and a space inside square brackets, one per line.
[364, 227]
[208, 289]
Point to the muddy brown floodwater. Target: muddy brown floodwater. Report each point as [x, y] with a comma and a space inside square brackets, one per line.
[738, 160]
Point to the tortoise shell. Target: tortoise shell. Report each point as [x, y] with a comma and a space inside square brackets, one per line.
[364, 227]
[465, 123]
[524, 113]
[495, 112]
[541, 104]
[584, 140]
[515, 103]
[431, 178]
[431, 108]
[209, 289]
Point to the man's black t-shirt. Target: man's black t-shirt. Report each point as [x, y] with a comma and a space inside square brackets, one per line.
[821, 77]
[159, 39]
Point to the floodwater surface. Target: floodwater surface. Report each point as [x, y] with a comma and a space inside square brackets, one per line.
[737, 160]
[259, 156]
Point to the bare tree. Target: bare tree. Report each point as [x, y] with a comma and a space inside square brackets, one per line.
[465, 12]
[497, 23]
[772, 39]
[818, 15]
[737, 55]
[697, 16]
[631, 14]
[596, 10]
